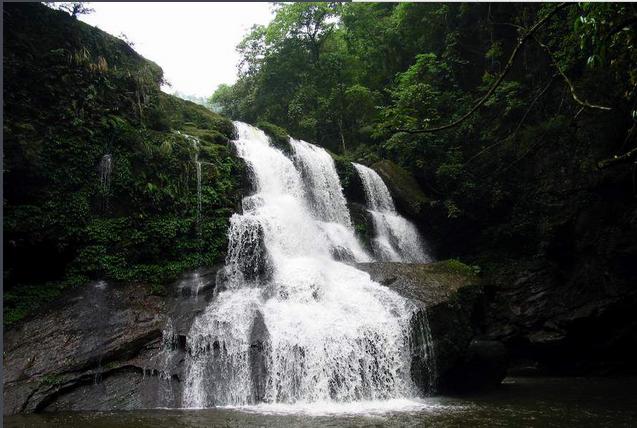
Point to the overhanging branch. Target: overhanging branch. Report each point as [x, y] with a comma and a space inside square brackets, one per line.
[522, 40]
[577, 99]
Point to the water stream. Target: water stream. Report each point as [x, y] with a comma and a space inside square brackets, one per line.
[396, 238]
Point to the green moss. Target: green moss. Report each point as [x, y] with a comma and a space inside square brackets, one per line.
[184, 115]
[454, 266]
[206, 135]
[51, 380]
[278, 136]
[158, 290]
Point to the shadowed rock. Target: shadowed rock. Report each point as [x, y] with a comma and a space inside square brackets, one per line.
[259, 339]
[103, 346]
[451, 304]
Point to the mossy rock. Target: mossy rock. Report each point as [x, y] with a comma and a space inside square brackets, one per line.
[279, 137]
[407, 194]
[431, 283]
[206, 135]
[184, 114]
[350, 180]
[363, 225]
[142, 225]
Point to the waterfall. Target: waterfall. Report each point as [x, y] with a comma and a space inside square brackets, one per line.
[198, 164]
[290, 322]
[106, 168]
[397, 239]
[326, 199]
[198, 168]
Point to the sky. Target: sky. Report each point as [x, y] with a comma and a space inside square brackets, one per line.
[194, 43]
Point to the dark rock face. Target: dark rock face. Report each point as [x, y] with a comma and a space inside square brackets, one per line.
[565, 323]
[251, 260]
[484, 365]
[259, 339]
[453, 302]
[100, 348]
[563, 274]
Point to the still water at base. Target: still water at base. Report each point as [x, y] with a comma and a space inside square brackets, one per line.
[519, 402]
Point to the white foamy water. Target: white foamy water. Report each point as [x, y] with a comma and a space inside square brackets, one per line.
[396, 238]
[291, 324]
[330, 408]
[326, 200]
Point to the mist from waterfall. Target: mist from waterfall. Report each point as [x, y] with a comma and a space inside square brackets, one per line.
[291, 322]
[396, 238]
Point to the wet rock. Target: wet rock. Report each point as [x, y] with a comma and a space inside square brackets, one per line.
[450, 313]
[408, 196]
[103, 346]
[248, 258]
[259, 339]
[556, 322]
[363, 224]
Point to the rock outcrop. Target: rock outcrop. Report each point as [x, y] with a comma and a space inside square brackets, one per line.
[452, 302]
[102, 347]
[408, 196]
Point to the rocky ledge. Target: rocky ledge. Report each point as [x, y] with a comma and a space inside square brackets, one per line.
[448, 323]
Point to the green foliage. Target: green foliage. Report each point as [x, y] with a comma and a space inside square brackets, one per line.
[356, 78]
[51, 379]
[74, 94]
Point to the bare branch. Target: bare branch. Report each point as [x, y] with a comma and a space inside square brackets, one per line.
[521, 41]
[577, 99]
[486, 149]
[618, 159]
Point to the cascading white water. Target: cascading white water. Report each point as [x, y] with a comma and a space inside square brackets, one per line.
[396, 238]
[106, 167]
[198, 164]
[325, 198]
[323, 186]
[290, 323]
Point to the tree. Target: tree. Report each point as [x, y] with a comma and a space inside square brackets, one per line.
[73, 8]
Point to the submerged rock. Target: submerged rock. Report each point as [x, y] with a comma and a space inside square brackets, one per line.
[450, 298]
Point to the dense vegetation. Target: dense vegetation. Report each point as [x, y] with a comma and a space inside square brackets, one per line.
[511, 179]
[73, 94]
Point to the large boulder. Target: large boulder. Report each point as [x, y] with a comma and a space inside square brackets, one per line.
[564, 322]
[103, 347]
[448, 351]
